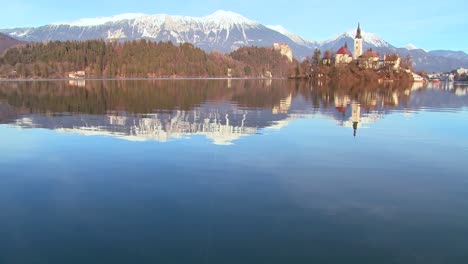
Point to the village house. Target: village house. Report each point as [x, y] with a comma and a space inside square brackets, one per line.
[12, 75]
[461, 71]
[393, 61]
[370, 60]
[77, 74]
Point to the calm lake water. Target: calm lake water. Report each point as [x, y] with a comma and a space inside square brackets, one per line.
[232, 171]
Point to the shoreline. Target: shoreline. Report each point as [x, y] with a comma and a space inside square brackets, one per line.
[134, 79]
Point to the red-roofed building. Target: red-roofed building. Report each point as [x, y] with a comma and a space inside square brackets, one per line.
[343, 55]
[344, 51]
[370, 60]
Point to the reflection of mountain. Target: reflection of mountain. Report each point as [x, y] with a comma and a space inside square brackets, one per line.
[168, 110]
[221, 129]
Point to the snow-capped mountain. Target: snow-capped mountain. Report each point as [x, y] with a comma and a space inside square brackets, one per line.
[411, 47]
[223, 31]
[89, 22]
[370, 40]
[294, 37]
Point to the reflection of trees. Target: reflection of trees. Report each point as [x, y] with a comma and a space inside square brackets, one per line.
[368, 95]
[99, 97]
[7, 113]
[148, 96]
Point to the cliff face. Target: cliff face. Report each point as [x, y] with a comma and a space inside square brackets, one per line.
[284, 49]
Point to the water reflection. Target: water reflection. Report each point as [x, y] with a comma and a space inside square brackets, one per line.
[221, 110]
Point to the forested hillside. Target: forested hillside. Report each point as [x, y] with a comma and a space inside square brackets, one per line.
[140, 58]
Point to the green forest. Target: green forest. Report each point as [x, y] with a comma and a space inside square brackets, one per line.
[139, 59]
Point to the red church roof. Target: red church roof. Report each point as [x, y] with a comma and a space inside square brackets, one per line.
[370, 54]
[344, 50]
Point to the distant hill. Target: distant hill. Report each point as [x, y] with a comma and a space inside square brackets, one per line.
[223, 31]
[7, 42]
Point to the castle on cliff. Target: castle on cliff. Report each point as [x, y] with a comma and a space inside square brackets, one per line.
[284, 49]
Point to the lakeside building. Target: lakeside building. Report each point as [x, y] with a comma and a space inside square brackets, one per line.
[370, 60]
[77, 74]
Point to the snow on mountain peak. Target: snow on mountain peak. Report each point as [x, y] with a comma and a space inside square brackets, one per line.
[294, 37]
[224, 18]
[86, 22]
[229, 18]
[411, 47]
[280, 29]
[368, 38]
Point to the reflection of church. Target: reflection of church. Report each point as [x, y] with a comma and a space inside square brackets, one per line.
[365, 59]
[350, 111]
[355, 116]
[341, 105]
[344, 56]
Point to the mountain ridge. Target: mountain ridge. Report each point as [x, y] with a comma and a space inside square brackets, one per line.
[223, 31]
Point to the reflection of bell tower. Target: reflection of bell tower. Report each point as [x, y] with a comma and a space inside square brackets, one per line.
[355, 116]
[355, 125]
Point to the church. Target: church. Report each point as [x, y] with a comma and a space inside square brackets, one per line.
[368, 59]
[344, 56]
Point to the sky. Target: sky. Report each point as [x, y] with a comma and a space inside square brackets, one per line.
[429, 25]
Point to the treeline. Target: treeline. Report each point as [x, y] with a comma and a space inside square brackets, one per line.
[139, 58]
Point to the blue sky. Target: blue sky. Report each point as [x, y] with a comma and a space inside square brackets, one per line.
[429, 25]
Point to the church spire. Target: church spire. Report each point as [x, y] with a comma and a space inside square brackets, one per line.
[358, 33]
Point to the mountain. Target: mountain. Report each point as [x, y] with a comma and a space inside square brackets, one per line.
[223, 31]
[411, 47]
[7, 42]
[430, 62]
[294, 37]
[450, 54]
[369, 40]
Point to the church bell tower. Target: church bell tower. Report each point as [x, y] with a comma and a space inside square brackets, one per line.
[357, 44]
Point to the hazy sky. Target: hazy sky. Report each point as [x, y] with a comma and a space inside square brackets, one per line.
[426, 24]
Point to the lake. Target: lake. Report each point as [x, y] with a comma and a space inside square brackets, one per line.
[232, 171]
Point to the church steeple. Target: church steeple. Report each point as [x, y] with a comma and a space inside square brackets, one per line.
[358, 33]
[358, 43]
